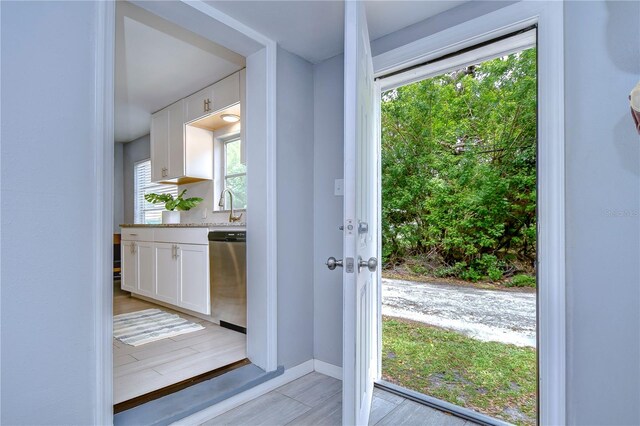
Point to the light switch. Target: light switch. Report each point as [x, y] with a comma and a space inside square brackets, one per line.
[203, 213]
[338, 187]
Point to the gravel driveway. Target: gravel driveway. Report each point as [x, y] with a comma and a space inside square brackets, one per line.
[489, 315]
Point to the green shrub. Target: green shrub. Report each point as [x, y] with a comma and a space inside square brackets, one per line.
[522, 280]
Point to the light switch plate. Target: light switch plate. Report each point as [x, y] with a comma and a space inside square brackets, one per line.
[203, 214]
[338, 187]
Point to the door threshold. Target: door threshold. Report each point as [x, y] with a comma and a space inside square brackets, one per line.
[176, 387]
[438, 404]
[178, 405]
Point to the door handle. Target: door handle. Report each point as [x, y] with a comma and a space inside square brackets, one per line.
[332, 263]
[371, 264]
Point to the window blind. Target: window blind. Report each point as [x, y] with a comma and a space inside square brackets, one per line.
[146, 212]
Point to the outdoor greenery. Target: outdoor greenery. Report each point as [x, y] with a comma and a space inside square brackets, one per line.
[459, 172]
[171, 203]
[489, 377]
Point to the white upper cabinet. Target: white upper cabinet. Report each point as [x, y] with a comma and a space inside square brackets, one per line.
[159, 144]
[181, 137]
[226, 92]
[199, 104]
[179, 154]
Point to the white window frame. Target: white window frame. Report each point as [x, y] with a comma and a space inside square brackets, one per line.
[138, 210]
[548, 16]
[226, 141]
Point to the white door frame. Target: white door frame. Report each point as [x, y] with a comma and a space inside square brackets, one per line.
[548, 16]
[261, 225]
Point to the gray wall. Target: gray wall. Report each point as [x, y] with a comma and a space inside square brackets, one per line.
[602, 64]
[137, 150]
[327, 166]
[295, 209]
[48, 372]
[118, 187]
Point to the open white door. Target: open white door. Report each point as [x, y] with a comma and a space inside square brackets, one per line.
[360, 219]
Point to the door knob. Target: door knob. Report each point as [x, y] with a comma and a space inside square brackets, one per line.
[370, 264]
[332, 263]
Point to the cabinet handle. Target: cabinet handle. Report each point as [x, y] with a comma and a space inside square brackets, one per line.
[207, 105]
[177, 251]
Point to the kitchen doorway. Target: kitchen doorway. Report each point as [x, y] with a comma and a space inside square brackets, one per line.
[260, 299]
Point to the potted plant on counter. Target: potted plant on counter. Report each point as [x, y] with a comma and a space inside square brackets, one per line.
[172, 204]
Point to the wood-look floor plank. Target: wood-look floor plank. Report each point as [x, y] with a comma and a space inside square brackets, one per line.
[413, 413]
[122, 360]
[391, 397]
[271, 409]
[328, 413]
[151, 362]
[136, 384]
[380, 407]
[312, 389]
[135, 366]
[203, 361]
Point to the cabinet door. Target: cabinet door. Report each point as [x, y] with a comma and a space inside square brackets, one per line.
[129, 266]
[198, 104]
[159, 145]
[166, 272]
[146, 269]
[194, 278]
[175, 142]
[226, 92]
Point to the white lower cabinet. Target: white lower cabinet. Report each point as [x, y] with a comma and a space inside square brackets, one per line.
[166, 273]
[194, 278]
[170, 272]
[129, 265]
[145, 257]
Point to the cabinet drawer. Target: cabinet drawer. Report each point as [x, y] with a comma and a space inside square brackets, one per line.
[182, 235]
[137, 234]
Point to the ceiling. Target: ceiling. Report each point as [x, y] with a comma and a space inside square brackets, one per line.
[158, 63]
[314, 30]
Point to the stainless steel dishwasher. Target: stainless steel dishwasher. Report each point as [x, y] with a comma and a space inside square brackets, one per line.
[228, 271]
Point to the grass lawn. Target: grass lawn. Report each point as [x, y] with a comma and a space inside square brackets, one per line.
[492, 378]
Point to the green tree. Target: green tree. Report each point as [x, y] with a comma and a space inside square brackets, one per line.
[459, 169]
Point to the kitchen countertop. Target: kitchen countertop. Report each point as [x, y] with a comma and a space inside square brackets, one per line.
[185, 225]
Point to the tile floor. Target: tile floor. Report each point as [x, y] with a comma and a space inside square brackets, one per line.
[142, 369]
[316, 399]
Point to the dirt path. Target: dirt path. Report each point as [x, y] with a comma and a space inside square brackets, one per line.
[489, 315]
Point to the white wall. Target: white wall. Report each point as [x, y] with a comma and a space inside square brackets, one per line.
[295, 152]
[602, 64]
[327, 166]
[48, 187]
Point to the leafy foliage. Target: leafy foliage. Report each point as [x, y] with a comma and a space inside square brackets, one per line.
[171, 203]
[522, 280]
[459, 170]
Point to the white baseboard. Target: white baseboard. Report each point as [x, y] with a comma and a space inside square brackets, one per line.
[327, 369]
[208, 413]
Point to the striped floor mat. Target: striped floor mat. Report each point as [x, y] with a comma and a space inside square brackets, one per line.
[138, 328]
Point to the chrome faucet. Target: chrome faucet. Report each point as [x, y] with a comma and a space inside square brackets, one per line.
[232, 218]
